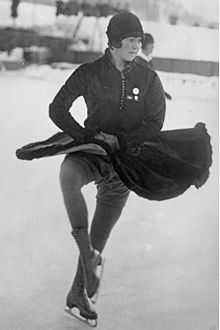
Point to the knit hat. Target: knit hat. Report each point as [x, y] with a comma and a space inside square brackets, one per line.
[124, 25]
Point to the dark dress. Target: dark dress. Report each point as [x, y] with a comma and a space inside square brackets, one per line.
[162, 167]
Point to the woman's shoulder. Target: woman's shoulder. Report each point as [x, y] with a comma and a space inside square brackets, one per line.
[142, 64]
[93, 65]
[143, 71]
[88, 69]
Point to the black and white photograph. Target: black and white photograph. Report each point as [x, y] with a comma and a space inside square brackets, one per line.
[109, 164]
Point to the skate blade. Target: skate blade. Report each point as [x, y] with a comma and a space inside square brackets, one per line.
[95, 297]
[77, 316]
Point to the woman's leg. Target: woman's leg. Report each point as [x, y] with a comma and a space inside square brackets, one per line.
[73, 177]
[111, 199]
[75, 173]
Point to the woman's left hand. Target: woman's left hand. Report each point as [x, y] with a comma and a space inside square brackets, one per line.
[110, 139]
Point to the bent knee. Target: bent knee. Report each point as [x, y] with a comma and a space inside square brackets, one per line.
[70, 174]
[114, 194]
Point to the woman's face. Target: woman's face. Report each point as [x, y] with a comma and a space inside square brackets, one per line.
[129, 48]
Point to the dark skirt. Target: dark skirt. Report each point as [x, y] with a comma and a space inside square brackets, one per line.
[162, 167]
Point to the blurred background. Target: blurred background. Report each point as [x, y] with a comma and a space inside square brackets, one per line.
[45, 31]
[161, 268]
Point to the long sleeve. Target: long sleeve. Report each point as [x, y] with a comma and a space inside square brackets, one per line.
[59, 113]
[155, 108]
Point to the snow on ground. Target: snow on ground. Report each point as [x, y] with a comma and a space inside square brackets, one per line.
[162, 260]
[181, 42]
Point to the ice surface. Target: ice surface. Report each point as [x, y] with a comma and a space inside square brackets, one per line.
[161, 268]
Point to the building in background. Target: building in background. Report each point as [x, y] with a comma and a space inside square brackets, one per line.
[77, 35]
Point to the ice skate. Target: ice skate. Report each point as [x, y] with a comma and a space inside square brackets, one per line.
[79, 307]
[94, 280]
[90, 322]
[99, 272]
[91, 262]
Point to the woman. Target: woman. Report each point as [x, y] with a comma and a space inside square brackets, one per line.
[124, 98]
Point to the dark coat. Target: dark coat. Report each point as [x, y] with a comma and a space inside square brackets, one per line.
[142, 61]
[125, 103]
[155, 164]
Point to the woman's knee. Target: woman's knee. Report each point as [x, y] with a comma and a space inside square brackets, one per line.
[114, 194]
[70, 174]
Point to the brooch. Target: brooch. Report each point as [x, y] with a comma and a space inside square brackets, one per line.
[136, 92]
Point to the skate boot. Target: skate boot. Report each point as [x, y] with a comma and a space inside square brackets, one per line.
[77, 302]
[90, 260]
